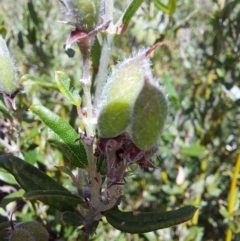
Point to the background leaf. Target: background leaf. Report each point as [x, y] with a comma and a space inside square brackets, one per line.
[67, 89]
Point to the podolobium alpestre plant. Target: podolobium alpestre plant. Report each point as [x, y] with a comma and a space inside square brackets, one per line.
[123, 121]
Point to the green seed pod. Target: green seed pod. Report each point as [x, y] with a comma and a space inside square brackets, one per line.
[83, 14]
[8, 74]
[148, 117]
[33, 228]
[20, 235]
[119, 95]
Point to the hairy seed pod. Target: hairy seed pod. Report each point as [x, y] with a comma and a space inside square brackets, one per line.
[119, 95]
[8, 74]
[148, 117]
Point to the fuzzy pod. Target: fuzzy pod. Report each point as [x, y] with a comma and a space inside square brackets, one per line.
[20, 235]
[85, 15]
[8, 73]
[119, 95]
[34, 229]
[148, 117]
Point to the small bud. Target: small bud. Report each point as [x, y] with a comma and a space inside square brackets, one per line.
[9, 84]
[148, 116]
[120, 93]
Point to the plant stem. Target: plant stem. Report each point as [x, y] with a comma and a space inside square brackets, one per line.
[105, 53]
[89, 123]
[86, 82]
[103, 67]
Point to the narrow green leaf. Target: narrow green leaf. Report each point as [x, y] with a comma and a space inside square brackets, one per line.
[123, 22]
[33, 13]
[72, 219]
[161, 6]
[67, 89]
[64, 133]
[4, 110]
[172, 6]
[30, 179]
[95, 55]
[131, 10]
[28, 79]
[171, 91]
[54, 196]
[142, 222]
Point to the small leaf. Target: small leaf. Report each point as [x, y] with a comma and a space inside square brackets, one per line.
[95, 56]
[72, 219]
[54, 196]
[64, 133]
[67, 89]
[170, 89]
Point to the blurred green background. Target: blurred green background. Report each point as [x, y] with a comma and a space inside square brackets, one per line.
[200, 72]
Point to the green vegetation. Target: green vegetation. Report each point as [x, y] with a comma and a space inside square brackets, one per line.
[198, 161]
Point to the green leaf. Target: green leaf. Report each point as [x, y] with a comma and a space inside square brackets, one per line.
[143, 222]
[161, 6]
[28, 79]
[31, 178]
[67, 89]
[64, 137]
[4, 110]
[95, 55]
[172, 6]
[54, 196]
[128, 14]
[195, 150]
[6, 177]
[33, 13]
[131, 10]
[16, 195]
[69, 150]
[171, 91]
[72, 219]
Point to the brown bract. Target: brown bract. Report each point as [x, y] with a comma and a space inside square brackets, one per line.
[120, 152]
